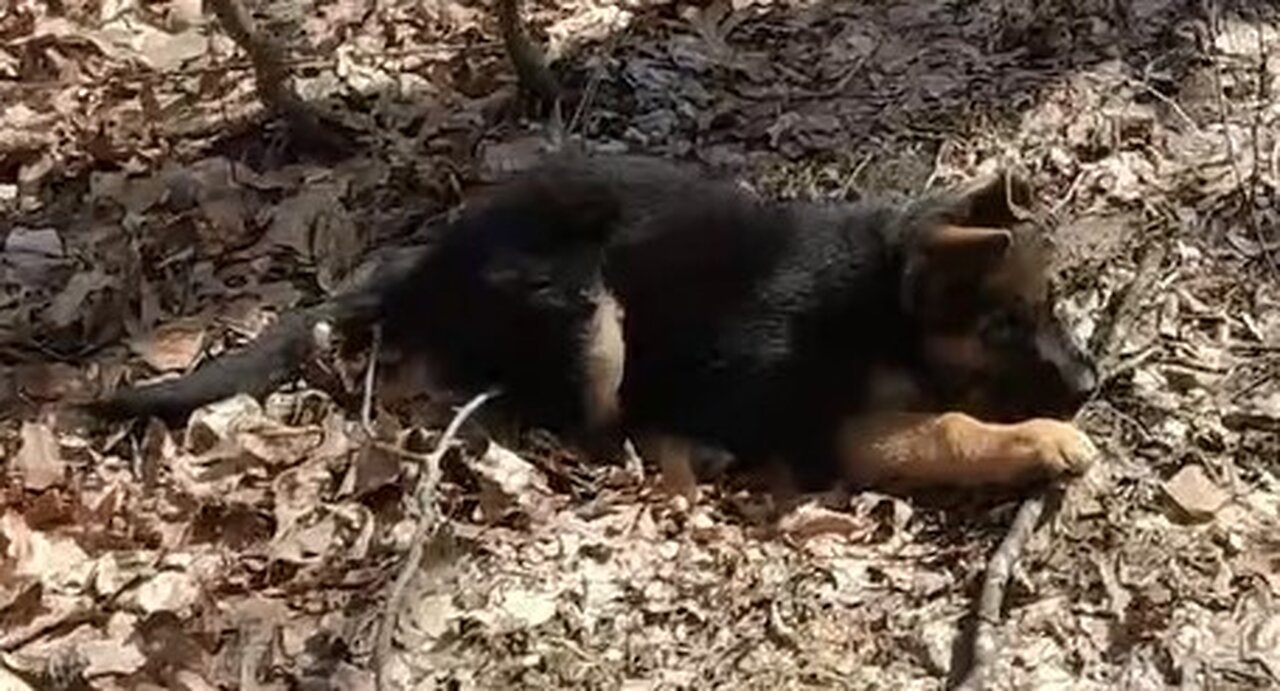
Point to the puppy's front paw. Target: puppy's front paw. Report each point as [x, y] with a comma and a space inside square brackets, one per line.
[1055, 448]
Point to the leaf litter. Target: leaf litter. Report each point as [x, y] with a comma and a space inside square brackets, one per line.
[152, 219]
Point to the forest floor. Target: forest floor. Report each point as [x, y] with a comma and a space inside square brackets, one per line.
[152, 217]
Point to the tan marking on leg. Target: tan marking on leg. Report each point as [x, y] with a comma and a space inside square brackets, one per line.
[955, 449]
[604, 360]
[674, 457]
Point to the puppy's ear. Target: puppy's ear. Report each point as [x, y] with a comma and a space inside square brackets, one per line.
[999, 200]
[964, 250]
[946, 264]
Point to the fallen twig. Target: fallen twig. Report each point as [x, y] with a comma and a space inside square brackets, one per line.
[370, 374]
[526, 56]
[999, 568]
[1247, 194]
[1129, 304]
[272, 78]
[429, 523]
[1036, 508]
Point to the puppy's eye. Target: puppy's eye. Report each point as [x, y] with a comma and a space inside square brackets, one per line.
[1001, 329]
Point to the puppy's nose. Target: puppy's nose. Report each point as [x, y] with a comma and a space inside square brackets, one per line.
[1085, 381]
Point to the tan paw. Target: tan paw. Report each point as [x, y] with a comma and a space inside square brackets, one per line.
[1056, 448]
[682, 491]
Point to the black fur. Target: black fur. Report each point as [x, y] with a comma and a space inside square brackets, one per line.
[749, 325]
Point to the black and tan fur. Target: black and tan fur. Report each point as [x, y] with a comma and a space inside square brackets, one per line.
[630, 297]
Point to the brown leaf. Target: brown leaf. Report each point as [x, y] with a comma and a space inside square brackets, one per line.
[275, 444]
[66, 307]
[19, 601]
[171, 347]
[51, 381]
[55, 560]
[39, 460]
[373, 469]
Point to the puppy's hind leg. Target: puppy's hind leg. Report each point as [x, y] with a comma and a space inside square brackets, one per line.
[674, 457]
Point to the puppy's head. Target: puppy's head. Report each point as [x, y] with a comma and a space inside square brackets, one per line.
[976, 287]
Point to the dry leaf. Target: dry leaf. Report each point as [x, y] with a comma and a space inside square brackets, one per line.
[58, 562]
[432, 614]
[115, 654]
[12, 682]
[274, 443]
[373, 469]
[171, 347]
[168, 591]
[528, 609]
[509, 483]
[218, 422]
[811, 520]
[39, 460]
[301, 543]
[66, 307]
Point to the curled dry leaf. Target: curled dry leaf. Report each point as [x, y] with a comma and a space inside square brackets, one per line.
[812, 520]
[508, 483]
[217, 422]
[39, 460]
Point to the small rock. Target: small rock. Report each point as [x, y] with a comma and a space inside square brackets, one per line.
[41, 242]
[33, 253]
[1194, 494]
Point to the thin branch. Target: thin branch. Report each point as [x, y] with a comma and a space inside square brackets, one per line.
[370, 375]
[526, 56]
[1245, 194]
[1109, 340]
[986, 636]
[429, 523]
[273, 80]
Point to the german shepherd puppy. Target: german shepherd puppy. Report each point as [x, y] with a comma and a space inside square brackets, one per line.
[626, 296]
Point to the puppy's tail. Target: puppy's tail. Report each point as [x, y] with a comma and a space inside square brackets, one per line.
[272, 360]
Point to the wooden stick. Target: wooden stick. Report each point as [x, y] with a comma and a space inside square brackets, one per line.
[986, 635]
[526, 56]
[273, 80]
[429, 523]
